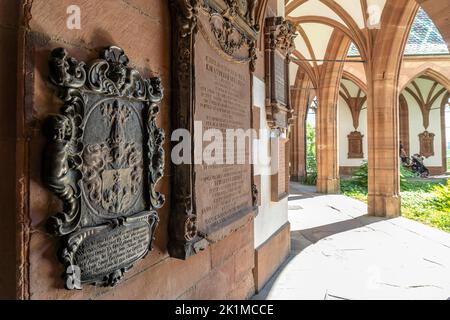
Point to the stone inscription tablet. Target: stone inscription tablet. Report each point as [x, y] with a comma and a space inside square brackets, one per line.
[280, 78]
[279, 45]
[223, 192]
[214, 53]
[111, 251]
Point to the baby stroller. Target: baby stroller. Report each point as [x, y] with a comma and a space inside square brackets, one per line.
[418, 167]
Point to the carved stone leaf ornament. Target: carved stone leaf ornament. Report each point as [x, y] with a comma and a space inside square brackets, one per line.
[103, 160]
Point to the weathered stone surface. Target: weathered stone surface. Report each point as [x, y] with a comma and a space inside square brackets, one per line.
[142, 29]
[216, 285]
[244, 288]
[244, 260]
[101, 24]
[270, 255]
[232, 262]
[223, 250]
[166, 280]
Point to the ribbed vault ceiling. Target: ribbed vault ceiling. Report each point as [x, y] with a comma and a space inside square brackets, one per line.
[317, 19]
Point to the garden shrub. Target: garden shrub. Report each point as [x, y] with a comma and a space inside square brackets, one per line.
[442, 197]
[361, 176]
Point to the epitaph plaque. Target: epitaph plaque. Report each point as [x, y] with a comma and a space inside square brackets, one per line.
[280, 179]
[214, 53]
[426, 140]
[279, 45]
[103, 161]
[355, 145]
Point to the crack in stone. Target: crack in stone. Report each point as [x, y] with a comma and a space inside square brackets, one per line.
[424, 286]
[336, 209]
[389, 284]
[433, 262]
[334, 296]
[142, 12]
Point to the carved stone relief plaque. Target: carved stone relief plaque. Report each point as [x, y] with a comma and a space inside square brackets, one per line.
[213, 53]
[279, 44]
[426, 144]
[103, 160]
[355, 145]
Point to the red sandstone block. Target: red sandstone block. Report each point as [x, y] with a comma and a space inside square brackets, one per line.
[216, 286]
[245, 261]
[121, 24]
[271, 255]
[45, 270]
[244, 288]
[167, 280]
[224, 249]
[156, 10]
[260, 68]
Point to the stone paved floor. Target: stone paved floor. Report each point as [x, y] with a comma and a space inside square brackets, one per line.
[338, 252]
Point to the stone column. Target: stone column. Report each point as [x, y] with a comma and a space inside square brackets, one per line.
[301, 96]
[383, 69]
[326, 142]
[384, 161]
[326, 120]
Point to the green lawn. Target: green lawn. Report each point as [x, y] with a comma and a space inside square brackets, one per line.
[426, 201]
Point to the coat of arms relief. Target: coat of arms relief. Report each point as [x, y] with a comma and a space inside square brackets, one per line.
[113, 170]
[104, 158]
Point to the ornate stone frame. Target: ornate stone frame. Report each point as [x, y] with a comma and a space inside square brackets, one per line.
[279, 45]
[81, 86]
[185, 238]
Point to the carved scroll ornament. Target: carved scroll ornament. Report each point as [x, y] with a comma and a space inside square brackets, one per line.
[279, 42]
[281, 35]
[104, 158]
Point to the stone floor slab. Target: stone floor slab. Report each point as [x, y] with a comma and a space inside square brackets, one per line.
[340, 253]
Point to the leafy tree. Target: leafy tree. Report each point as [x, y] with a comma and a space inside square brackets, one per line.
[311, 161]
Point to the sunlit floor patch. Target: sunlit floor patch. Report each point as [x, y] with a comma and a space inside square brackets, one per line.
[340, 253]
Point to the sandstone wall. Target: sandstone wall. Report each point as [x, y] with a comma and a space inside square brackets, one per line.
[142, 29]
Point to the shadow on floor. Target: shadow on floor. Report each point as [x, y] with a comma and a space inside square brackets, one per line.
[302, 196]
[316, 234]
[299, 192]
[302, 239]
